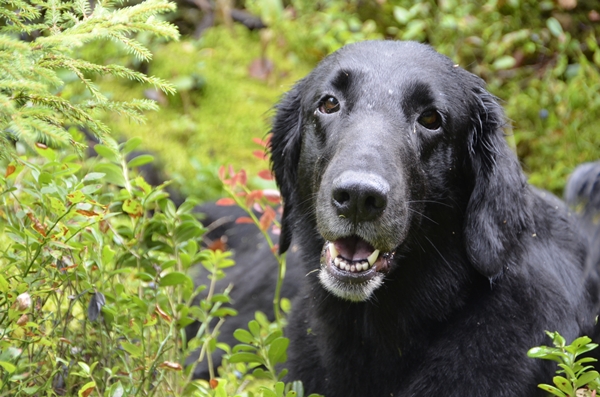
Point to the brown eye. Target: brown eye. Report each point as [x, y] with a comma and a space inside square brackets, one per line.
[430, 119]
[329, 105]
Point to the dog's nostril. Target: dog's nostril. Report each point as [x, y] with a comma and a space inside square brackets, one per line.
[375, 202]
[359, 197]
[341, 197]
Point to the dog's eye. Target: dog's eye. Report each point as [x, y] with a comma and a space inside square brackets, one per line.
[329, 105]
[430, 119]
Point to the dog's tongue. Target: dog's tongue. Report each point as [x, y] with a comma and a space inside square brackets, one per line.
[353, 248]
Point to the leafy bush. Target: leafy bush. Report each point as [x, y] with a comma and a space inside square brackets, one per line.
[94, 290]
[580, 378]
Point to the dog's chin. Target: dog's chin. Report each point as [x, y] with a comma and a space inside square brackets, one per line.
[352, 269]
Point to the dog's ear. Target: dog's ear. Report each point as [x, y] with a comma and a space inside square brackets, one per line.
[499, 208]
[285, 145]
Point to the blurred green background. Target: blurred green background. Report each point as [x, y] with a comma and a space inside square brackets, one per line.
[541, 58]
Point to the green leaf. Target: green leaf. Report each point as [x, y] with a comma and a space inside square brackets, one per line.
[504, 62]
[84, 367]
[93, 176]
[272, 336]
[89, 189]
[224, 312]
[245, 357]
[254, 328]
[76, 197]
[277, 350]
[116, 390]
[107, 255]
[3, 284]
[113, 173]
[175, 278]
[131, 145]
[107, 153]
[243, 336]
[8, 367]
[563, 384]
[140, 160]
[586, 378]
[267, 392]
[554, 27]
[223, 298]
[132, 349]
[286, 305]
[187, 206]
[553, 390]
[188, 230]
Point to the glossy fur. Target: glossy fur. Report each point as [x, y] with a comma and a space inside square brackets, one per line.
[484, 263]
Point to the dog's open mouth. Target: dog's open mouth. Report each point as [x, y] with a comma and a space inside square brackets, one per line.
[355, 255]
[352, 269]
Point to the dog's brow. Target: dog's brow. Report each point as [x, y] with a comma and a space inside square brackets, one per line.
[416, 95]
[341, 81]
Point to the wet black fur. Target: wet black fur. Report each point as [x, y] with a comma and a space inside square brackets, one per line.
[485, 263]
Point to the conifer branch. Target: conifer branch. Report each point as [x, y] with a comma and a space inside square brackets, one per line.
[31, 108]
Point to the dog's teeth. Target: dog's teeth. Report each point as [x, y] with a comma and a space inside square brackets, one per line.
[333, 251]
[353, 268]
[373, 257]
[337, 261]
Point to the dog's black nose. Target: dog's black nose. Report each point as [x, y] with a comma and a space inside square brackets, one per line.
[359, 196]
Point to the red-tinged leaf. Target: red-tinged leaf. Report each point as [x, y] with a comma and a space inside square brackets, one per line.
[225, 201]
[104, 226]
[219, 244]
[213, 383]
[22, 320]
[163, 314]
[275, 248]
[9, 170]
[87, 389]
[267, 218]
[231, 171]
[171, 365]
[260, 154]
[36, 224]
[272, 195]
[242, 178]
[266, 175]
[256, 207]
[222, 172]
[65, 268]
[276, 230]
[260, 142]
[244, 219]
[86, 213]
[41, 145]
[252, 197]
[133, 208]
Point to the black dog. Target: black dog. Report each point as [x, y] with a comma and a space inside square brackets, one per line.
[439, 266]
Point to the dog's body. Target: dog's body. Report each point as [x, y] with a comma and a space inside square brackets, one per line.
[438, 265]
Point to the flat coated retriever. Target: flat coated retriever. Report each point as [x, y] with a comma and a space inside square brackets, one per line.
[429, 265]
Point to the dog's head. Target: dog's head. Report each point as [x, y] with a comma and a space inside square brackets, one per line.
[375, 137]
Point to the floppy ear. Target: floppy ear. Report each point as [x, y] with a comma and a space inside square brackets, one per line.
[285, 145]
[499, 208]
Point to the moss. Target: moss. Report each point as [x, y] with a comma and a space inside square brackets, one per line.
[219, 108]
